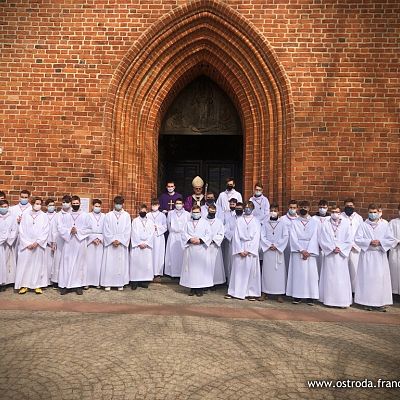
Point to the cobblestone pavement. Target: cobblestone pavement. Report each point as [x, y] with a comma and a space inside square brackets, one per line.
[101, 355]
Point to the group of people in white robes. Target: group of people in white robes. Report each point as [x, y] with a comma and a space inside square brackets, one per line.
[327, 257]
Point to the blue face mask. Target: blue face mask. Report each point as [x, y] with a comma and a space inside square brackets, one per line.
[373, 216]
[51, 209]
[196, 215]
[118, 207]
[3, 210]
[24, 202]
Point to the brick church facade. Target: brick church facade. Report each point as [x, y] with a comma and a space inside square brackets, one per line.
[86, 87]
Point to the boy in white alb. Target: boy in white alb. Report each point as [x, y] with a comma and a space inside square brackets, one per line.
[394, 255]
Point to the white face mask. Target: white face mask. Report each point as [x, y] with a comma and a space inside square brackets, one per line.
[3, 210]
[179, 206]
[37, 207]
[335, 216]
[292, 212]
[66, 206]
[170, 190]
[97, 209]
[257, 193]
[51, 209]
[323, 211]
[118, 207]
[154, 208]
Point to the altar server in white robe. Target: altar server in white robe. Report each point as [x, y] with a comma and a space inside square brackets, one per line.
[287, 219]
[210, 200]
[261, 203]
[51, 240]
[274, 238]
[245, 279]
[302, 281]
[117, 235]
[8, 236]
[321, 216]
[224, 197]
[335, 240]
[229, 220]
[373, 286]
[159, 221]
[197, 270]
[59, 241]
[18, 210]
[31, 266]
[176, 220]
[215, 250]
[95, 245]
[394, 255]
[74, 228]
[141, 270]
[354, 219]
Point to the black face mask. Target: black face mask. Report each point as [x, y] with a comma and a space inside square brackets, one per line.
[142, 214]
[232, 208]
[210, 202]
[239, 212]
[229, 187]
[211, 215]
[348, 210]
[303, 212]
[75, 207]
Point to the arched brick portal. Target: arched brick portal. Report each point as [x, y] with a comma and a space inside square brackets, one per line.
[202, 38]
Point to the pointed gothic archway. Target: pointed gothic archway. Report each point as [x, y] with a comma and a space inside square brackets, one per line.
[205, 37]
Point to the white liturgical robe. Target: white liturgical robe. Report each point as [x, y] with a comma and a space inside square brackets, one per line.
[222, 202]
[197, 270]
[229, 227]
[95, 251]
[373, 285]
[394, 257]
[51, 244]
[274, 233]
[335, 284]
[215, 250]
[261, 208]
[59, 246]
[115, 266]
[245, 280]
[159, 221]
[176, 221]
[8, 236]
[141, 260]
[303, 274]
[31, 266]
[73, 262]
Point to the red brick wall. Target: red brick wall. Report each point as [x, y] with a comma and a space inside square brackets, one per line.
[316, 83]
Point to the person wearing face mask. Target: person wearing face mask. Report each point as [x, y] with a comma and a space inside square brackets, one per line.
[159, 221]
[65, 208]
[197, 271]
[176, 221]
[224, 197]
[335, 241]
[245, 279]
[229, 220]
[51, 240]
[74, 228]
[117, 235]
[274, 239]
[141, 271]
[95, 245]
[197, 198]
[261, 203]
[34, 230]
[321, 216]
[290, 216]
[8, 236]
[394, 255]
[354, 219]
[215, 249]
[23, 207]
[167, 199]
[373, 288]
[210, 200]
[302, 281]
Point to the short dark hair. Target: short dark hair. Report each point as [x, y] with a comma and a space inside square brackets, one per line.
[274, 205]
[143, 206]
[233, 200]
[335, 206]
[155, 201]
[304, 203]
[35, 199]
[292, 202]
[240, 204]
[210, 192]
[2, 202]
[230, 178]
[75, 197]
[259, 185]
[179, 199]
[323, 203]
[119, 200]
[250, 204]
[196, 207]
[48, 201]
[212, 207]
[25, 191]
[66, 199]
[374, 206]
[96, 201]
[348, 200]
[170, 181]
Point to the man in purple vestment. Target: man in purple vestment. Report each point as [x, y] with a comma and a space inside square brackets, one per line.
[167, 199]
[197, 197]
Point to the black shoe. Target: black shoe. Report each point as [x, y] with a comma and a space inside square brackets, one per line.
[134, 285]
[192, 292]
[381, 309]
[213, 288]
[63, 291]
[79, 291]
[199, 292]
[144, 285]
